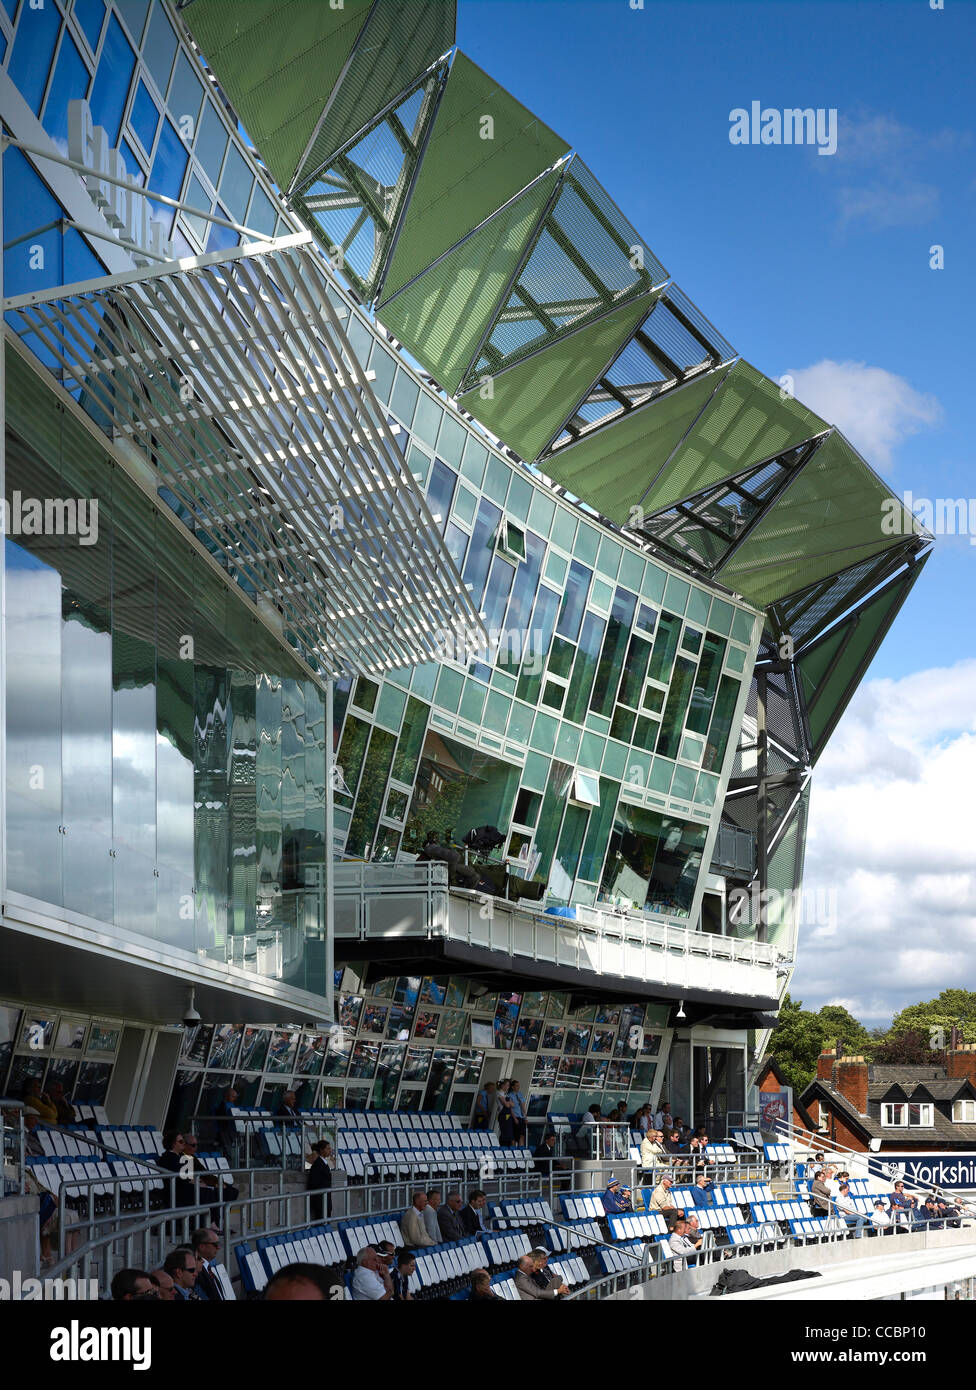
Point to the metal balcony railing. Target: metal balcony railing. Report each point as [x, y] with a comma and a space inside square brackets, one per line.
[376, 901]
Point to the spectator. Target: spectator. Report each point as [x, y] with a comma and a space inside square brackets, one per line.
[484, 1106]
[664, 1120]
[472, 1216]
[592, 1116]
[226, 1191]
[65, 1110]
[130, 1284]
[40, 1101]
[404, 1266]
[681, 1244]
[947, 1210]
[901, 1206]
[820, 1200]
[694, 1232]
[481, 1286]
[616, 1199]
[674, 1148]
[288, 1109]
[831, 1181]
[543, 1276]
[518, 1111]
[181, 1266]
[412, 1222]
[448, 1218]
[32, 1144]
[848, 1212]
[703, 1192]
[171, 1159]
[227, 1102]
[930, 1213]
[506, 1114]
[528, 1288]
[430, 1214]
[318, 1179]
[371, 1281]
[163, 1284]
[299, 1283]
[652, 1154]
[880, 1219]
[206, 1246]
[661, 1199]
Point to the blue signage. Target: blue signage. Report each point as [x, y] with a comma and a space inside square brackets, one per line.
[955, 1171]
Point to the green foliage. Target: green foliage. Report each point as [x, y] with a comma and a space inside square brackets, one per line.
[801, 1036]
[842, 1027]
[796, 1043]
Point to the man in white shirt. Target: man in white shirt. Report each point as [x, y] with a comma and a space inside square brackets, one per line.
[370, 1283]
[848, 1212]
[680, 1243]
[664, 1120]
[430, 1215]
[880, 1219]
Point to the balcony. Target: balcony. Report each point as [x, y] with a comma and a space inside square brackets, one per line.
[408, 912]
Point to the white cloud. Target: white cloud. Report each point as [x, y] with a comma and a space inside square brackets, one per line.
[893, 829]
[875, 408]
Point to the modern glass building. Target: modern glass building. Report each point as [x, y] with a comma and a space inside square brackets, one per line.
[369, 481]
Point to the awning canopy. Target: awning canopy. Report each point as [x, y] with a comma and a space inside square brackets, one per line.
[232, 376]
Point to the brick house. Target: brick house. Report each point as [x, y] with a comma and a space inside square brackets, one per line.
[852, 1102]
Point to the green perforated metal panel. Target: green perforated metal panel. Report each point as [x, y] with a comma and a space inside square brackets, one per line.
[746, 421]
[609, 470]
[832, 669]
[530, 401]
[464, 176]
[442, 316]
[278, 62]
[397, 45]
[586, 260]
[835, 513]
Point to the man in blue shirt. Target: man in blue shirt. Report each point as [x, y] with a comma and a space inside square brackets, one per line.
[703, 1192]
[616, 1199]
[518, 1111]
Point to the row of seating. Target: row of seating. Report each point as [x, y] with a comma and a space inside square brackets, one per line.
[726, 1194]
[91, 1177]
[412, 1140]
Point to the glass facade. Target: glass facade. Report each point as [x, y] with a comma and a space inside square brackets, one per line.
[600, 662]
[427, 1043]
[165, 755]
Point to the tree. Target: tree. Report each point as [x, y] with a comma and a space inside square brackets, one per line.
[935, 1017]
[909, 1048]
[797, 1042]
[842, 1027]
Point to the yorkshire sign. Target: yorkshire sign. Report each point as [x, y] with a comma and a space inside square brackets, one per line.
[128, 213]
[953, 1171]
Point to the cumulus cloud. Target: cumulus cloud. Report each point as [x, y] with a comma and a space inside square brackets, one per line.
[875, 408]
[892, 830]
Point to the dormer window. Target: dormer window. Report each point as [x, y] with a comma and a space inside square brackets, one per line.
[964, 1112]
[900, 1116]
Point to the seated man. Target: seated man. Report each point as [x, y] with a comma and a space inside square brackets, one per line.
[616, 1199]
[680, 1243]
[880, 1220]
[703, 1192]
[662, 1201]
[448, 1224]
[412, 1223]
[901, 1206]
[946, 1210]
[930, 1213]
[371, 1282]
[528, 1287]
[848, 1212]
[820, 1200]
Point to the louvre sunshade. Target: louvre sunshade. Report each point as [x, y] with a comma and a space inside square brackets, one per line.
[231, 374]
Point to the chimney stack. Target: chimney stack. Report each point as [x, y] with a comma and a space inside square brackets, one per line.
[850, 1078]
[961, 1061]
[825, 1066]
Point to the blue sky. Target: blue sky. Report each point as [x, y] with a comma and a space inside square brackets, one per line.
[796, 257]
[819, 266]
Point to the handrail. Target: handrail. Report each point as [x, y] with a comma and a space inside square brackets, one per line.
[790, 1129]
